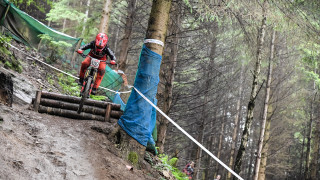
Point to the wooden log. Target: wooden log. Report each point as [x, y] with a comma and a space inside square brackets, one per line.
[36, 102]
[71, 106]
[74, 107]
[116, 114]
[69, 113]
[76, 100]
[107, 113]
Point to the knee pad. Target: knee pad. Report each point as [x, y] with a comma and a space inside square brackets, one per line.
[102, 72]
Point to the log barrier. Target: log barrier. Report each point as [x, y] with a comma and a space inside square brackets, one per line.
[67, 106]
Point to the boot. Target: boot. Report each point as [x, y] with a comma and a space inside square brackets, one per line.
[80, 82]
[94, 91]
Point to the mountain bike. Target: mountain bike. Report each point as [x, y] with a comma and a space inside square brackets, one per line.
[89, 80]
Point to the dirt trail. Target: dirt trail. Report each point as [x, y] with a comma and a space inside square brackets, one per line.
[41, 146]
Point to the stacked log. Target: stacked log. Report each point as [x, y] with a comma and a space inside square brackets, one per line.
[67, 106]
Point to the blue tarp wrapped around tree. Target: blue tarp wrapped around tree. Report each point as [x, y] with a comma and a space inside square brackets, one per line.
[139, 118]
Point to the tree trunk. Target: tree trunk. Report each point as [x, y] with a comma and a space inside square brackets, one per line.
[168, 81]
[315, 163]
[157, 28]
[64, 24]
[302, 153]
[208, 161]
[236, 122]
[309, 135]
[117, 32]
[251, 160]
[86, 17]
[125, 41]
[254, 93]
[264, 153]
[212, 146]
[158, 24]
[208, 83]
[265, 110]
[204, 117]
[104, 22]
[49, 22]
[221, 138]
[199, 150]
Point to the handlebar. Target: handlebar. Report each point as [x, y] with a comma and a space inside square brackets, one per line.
[85, 55]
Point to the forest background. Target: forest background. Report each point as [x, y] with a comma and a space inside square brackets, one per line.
[234, 73]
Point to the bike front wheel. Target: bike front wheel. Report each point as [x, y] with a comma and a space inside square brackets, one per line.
[85, 94]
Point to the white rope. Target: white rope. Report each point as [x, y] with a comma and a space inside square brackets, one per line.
[187, 134]
[122, 92]
[156, 41]
[169, 119]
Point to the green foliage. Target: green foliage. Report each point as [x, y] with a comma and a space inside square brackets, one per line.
[117, 11]
[133, 158]
[56, 48]
[50, 80]
[70, 10]
[298, 136]
[173, 162]
[91, 31]
[7, 64]
[35, 8]
[309, 62]
[168, 164]
[99, 98]
[67, 84]
[8, 59]
[3, 45]
[61, 10]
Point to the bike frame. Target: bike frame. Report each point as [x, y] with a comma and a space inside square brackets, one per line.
[91, 71]
[90, 76]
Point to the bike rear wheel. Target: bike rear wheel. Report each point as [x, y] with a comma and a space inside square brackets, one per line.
[85, 94]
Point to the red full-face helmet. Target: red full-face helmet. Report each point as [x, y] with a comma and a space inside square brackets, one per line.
[101, 41]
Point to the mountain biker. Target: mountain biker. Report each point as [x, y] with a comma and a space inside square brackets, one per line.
[99, 50]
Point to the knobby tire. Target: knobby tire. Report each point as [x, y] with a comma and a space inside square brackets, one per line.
[85, 94]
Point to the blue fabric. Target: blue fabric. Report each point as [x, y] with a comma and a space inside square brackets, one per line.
[117, 99]
[139, 119]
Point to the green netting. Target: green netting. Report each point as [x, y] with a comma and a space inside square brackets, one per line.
[26, 29]
[111, 80]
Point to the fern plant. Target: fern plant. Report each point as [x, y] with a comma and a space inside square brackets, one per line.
[169, 164]
[68, 85]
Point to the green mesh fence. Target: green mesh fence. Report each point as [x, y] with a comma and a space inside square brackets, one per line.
[28, 30]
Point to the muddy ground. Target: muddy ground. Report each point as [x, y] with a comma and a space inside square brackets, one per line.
[41, 146]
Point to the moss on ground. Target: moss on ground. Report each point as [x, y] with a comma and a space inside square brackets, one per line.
[133, 158]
